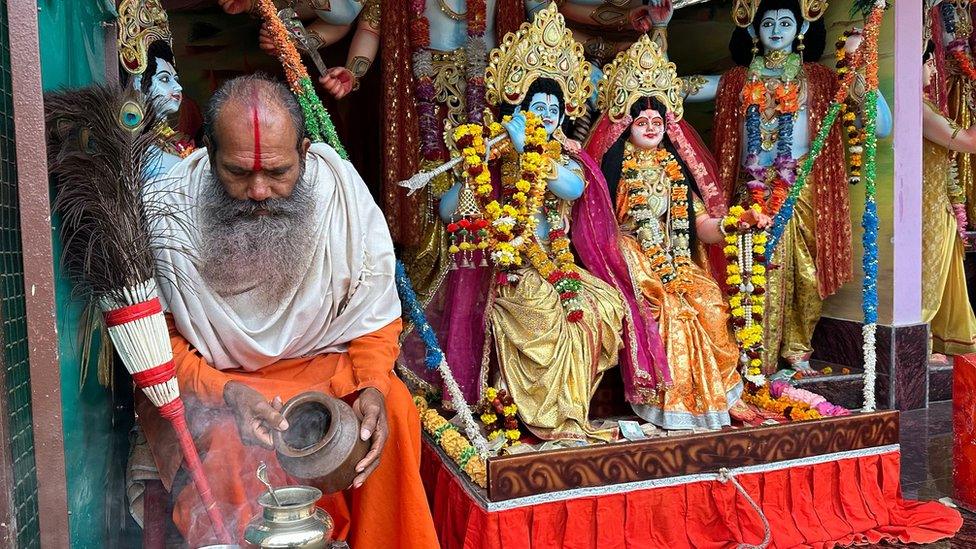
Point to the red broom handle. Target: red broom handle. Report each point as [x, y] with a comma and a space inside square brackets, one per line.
[175, 413]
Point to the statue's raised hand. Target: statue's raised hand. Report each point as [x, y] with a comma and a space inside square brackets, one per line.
[657, 13]
[516, 130]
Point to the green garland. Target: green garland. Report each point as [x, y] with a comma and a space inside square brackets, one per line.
[318, 123]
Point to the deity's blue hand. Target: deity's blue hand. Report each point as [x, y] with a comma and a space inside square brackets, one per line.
[516, 130]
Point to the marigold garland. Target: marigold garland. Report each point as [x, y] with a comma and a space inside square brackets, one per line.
[454, 444]
[497, 411]
[793, 410]
[959, 51]
[770, 185]
[512, 217]
[849, 108]
[318, 123]
[672, 266]
[746, 281]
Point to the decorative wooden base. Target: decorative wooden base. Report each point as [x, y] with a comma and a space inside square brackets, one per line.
[521, 475]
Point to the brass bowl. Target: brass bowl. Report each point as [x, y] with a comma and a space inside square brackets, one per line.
[321, 445]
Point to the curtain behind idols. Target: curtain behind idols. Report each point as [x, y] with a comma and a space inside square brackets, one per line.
[509, 16]
[401, 138]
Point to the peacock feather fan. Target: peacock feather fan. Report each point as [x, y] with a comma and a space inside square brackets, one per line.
[100, 148]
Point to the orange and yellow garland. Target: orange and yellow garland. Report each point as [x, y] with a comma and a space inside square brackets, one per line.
[671, 266]
[454, 444]
[794, 410]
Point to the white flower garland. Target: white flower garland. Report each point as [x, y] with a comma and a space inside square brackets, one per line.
[870, 366]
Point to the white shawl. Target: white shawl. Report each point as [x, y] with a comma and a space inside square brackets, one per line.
[347, 290]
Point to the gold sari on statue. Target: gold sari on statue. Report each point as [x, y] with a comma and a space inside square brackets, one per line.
[945, 299]
[551, 366]
[702, 354]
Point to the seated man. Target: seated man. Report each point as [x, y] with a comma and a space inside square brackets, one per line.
[278, 274]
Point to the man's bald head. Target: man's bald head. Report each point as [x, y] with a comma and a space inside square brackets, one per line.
[255, 136]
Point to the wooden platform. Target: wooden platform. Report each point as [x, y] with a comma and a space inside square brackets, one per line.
[522, 475]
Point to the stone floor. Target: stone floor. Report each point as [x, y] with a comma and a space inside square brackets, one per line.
[926, 466]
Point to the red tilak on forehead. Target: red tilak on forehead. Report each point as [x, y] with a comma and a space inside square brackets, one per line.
[257, 139]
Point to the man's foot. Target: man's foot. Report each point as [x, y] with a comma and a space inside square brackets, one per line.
[937, 359]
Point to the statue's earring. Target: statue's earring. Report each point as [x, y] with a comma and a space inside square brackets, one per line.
[801, 46]
[755, 46]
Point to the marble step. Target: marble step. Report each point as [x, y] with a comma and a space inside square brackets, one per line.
[940, 382]
[845, 390]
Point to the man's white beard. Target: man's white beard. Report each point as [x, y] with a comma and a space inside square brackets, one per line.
[262, 256]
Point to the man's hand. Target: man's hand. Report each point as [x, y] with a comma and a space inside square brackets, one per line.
[265, 42]
[371, 410]
[233, 7]
[256, 417]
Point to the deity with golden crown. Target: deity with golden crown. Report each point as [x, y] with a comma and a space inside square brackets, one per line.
[545, 313]
[146, 55]
[767, 111]
[669, 205]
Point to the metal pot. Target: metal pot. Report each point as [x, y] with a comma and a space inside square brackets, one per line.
[321, 446]
[297, 522]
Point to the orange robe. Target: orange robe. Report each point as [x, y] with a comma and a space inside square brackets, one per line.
[389, 511]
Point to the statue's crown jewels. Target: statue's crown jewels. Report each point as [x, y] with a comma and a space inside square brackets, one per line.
[141, 22]
[544, 48]
[641, 70]
[744, 11]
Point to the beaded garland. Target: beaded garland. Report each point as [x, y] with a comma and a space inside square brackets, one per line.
[746, 282]
[671, 265]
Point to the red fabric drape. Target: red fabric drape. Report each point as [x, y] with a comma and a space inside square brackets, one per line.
[964, 430]
[856, 500]
[401, 137]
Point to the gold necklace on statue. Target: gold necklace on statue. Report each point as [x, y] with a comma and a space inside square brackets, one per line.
[775, 59]
[457, 16]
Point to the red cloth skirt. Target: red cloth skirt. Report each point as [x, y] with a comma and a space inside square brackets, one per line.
[855, 498]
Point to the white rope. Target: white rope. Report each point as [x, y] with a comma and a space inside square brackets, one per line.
[724, 475]
[463, 410]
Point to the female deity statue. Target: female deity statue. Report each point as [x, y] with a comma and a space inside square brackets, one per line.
[555, 327]
[945, 298]
[949, 24]
[662, 177]
[767, 111]
[146, 53]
